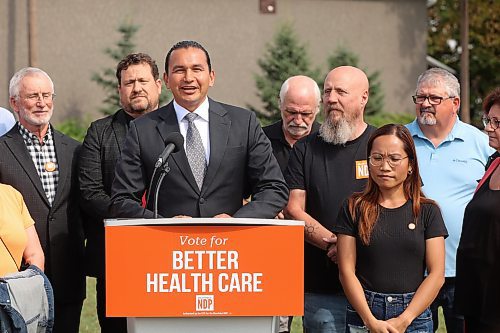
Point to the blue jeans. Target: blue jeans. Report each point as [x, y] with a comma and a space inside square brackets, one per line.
[324, 313]
[445, 298]
[26, 302]
[385, 307]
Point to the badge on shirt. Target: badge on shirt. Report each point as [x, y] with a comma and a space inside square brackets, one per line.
[361, 169]
[50, 166]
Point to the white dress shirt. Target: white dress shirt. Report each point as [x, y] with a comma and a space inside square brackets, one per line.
[201, 123]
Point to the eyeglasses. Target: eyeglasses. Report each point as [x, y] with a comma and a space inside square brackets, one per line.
[493, 122]
[302, 114]
[393, 159]
[46, 97]
[433, 100]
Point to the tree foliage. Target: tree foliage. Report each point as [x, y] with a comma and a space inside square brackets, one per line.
[75, 128]
[382, 118]
[107, 77]
[284, 57]
[484, 43]
[344, 57]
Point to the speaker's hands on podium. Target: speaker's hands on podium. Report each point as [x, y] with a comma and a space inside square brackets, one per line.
[222, 216]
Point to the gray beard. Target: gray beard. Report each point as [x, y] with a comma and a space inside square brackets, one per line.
[336, 132]
[427, 120]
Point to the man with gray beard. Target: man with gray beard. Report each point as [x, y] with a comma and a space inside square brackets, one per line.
[451, 156]
[324, 169]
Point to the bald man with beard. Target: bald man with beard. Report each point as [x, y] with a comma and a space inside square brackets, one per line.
[324, 169]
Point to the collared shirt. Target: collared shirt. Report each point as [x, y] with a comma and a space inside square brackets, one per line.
[7, 121]
[201, 123]
[450, 173]
[128, 118]
[44, 158]
[281, 147]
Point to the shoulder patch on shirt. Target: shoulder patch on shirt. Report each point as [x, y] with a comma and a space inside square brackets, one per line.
[361, 169]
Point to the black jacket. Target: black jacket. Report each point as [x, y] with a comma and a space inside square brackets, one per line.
[59, 226]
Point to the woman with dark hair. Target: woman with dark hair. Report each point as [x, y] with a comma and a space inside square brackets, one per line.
[477, 291]
[388, 236]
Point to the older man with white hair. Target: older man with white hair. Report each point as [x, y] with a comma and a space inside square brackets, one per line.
[41, 163]
[299, 103]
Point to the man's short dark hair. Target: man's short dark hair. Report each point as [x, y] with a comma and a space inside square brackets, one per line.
[184, 45]
[136, 59]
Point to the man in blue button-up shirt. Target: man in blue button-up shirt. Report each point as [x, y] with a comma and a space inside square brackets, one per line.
[452, 156]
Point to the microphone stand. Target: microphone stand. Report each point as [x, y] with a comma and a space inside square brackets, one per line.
[163, 172]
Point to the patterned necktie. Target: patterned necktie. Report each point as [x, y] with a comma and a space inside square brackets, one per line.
[195, 151]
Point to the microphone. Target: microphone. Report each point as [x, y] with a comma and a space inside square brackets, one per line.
[173, 144]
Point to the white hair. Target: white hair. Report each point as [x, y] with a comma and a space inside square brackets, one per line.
[20, 75]
[437, 76]
[286, 85]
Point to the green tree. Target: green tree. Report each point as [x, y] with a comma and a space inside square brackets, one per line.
[344, 57]
[72, 127]
[284, 57]
[484, 44]
[383, 118]
[107, 77]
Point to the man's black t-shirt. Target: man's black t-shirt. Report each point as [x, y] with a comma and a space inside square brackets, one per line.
[329, 174]
[281, 148]
[394, 261]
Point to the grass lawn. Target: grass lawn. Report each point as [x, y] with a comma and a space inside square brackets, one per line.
[89, 324]
[88, 320]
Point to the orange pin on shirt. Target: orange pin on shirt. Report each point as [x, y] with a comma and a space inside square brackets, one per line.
[50, 166]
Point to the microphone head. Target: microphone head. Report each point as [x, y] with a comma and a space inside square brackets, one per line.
[177, 139]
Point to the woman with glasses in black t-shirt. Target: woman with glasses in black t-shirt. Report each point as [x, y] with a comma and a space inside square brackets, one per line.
[388, 236]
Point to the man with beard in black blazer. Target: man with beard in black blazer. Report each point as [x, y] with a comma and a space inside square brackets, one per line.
[226, 156]
[139, 87]
[41, 163]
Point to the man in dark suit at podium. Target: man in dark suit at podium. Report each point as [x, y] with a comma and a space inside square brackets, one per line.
[226, 156]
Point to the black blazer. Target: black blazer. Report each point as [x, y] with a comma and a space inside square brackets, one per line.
[100, 151]
[241, 164]
[59, 227]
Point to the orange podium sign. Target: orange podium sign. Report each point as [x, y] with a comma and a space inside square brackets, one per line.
[204, 268]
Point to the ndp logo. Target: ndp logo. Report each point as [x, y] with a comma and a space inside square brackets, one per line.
[204, 302]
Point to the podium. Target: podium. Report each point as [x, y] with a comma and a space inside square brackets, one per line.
[203, 274]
